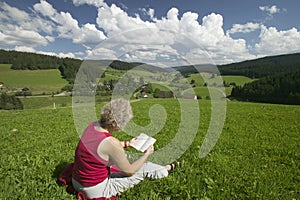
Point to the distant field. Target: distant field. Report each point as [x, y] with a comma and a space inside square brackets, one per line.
[203, 92]
[38, 81]
[48, 102]
[238, 80]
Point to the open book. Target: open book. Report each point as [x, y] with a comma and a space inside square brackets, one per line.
[143, 142]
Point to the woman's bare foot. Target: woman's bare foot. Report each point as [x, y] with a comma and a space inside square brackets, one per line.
[173, 165]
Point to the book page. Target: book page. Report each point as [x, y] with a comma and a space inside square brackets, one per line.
[143, 142]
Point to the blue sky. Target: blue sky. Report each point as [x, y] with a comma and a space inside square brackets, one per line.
[171, 31]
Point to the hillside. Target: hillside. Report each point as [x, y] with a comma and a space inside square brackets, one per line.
[242, 74]
[37, 81]
[281, 88]
[263, 67]
[256, 68]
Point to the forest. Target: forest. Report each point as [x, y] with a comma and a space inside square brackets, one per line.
[281, 89]
[262, 67]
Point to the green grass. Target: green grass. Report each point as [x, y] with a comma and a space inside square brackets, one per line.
[38, 81]
[112, 74]
[256, 157]
[49, 102]
[238, 80]
[46, 102]
[203, 92]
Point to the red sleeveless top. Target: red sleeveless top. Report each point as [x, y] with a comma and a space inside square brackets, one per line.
[90, 169]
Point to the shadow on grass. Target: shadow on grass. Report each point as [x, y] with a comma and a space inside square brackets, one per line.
[58, 169]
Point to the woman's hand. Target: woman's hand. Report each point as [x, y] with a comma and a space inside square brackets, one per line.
[150, 150]
[132, 141]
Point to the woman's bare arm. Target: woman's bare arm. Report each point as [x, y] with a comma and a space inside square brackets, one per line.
[114, 149]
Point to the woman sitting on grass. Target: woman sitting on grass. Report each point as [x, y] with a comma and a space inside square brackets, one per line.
[98, 150]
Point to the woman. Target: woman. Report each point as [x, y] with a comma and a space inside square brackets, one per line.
[98, 150]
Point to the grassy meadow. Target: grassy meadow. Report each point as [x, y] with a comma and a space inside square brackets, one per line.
[38, 81]
[256, 157]
[238, 80]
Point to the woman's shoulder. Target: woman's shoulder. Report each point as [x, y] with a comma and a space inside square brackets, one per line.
[109, 144]
[113, 140]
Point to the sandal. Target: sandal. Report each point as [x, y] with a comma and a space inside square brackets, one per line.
[174, 165]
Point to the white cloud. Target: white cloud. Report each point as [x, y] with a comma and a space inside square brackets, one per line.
[88, 35]
[132, 38]
[66, 55]
[67, 27]
[25, 49]
[16, 36]
[21, 28]
[45, 8]
[13, 13]
[170, 31]
[273, 41]
[114, 20]
[96, 3]
[100, 53]
[32, 50]
[60, 54]
[244, 28]
[150, 12]
[50, 39]
[271, 10]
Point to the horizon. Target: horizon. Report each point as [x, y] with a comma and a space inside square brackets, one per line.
[175, 66]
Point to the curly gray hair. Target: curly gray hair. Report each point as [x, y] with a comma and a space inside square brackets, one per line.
[115, 114]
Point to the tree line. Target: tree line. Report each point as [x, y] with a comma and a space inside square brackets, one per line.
[262, 67]
[68, 67]
[280, 89]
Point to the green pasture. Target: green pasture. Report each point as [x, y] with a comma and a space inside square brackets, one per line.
[38, 81]
[238, 80]
[112, 74]
[256, 157]
[203, 92]
[50, 102]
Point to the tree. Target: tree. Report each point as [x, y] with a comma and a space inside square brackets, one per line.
[192, 82]
[156, 93]
[10, 102]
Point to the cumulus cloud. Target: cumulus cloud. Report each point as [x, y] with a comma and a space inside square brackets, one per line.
[114, 20]
[45, 8]
[96, 3]
[16, 36]
[25, 49]
[100, 53]
[244, 28]
[20, 28]
[67, 27]
[273, 41]
[271, 10]
[13, 13]
[168, 31]
[23, 20]
[150, 12]
[164, 39]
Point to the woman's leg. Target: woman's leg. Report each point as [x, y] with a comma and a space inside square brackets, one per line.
[118, 183]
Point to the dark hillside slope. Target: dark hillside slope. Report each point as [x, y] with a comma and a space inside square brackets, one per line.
[263, 67]
[281, 88]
